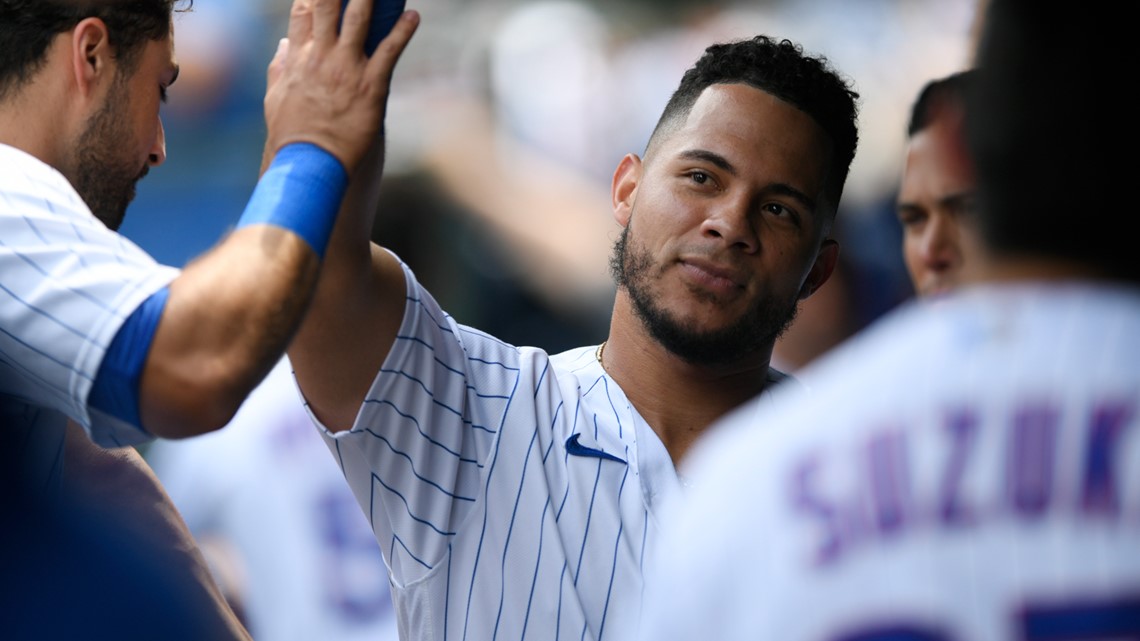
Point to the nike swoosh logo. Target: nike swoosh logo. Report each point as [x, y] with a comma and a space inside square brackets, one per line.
[577, 449]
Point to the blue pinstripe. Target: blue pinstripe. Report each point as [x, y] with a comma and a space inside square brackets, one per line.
[67, 283]
[537, 565]
[482, 535]
[459, 454]
[510, 531]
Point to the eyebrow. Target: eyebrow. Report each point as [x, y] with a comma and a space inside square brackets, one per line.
[956, 199]
[709, 157]
[721, 162]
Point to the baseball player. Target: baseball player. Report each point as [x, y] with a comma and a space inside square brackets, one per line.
[936, 199]
[962, 471]
[514, 493]
[307, 565]
[93, 333]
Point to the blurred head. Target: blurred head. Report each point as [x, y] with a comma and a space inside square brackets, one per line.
[936, 199]
[129, 47]
[727, 217]
[1041, 130]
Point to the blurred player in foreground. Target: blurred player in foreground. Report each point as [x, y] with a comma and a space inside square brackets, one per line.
[961, 472]
[936, 200]
[514, 493]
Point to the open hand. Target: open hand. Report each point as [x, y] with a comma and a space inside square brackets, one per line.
[322, 88]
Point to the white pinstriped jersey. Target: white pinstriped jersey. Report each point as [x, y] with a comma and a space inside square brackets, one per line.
[967, 470]
[513, 493]
[67, 283]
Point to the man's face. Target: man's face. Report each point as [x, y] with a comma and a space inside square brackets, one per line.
[936, 206]
[124, 138]
[724, 224]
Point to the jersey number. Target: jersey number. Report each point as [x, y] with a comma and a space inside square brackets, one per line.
[355, 577]
[1117, 620]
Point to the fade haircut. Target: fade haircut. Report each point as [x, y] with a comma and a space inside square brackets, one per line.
[27, 28]
[780, 68]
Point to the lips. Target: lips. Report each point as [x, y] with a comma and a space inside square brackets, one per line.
[713, 275]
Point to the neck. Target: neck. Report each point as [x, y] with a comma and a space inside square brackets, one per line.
[45, 115]
[21, 129]
[678, 399]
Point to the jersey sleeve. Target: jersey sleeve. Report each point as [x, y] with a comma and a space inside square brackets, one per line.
[68, 285]
[417, 455]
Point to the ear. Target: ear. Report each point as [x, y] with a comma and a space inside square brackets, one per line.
[91, 56]
[624, 188]
[821, 270]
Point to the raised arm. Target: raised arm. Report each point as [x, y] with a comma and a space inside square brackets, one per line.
[230, 314]
[360, 297]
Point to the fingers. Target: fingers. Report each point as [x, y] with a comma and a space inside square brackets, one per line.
[390, 48]
[301, 21]
[354, 25]
[326, 21]
[322, 89]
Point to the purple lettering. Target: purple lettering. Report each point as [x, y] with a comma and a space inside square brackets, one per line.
[1031, 460]
[963, 426]
[890, 484]
[1098, 493]
[805, 499]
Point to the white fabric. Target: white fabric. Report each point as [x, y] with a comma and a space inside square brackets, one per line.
[940, 475]
[266, 486]
[67, 283]
[491, 527]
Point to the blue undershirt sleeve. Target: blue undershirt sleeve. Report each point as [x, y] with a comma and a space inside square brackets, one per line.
[116, 387]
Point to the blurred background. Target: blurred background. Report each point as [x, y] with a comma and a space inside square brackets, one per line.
[506, 121]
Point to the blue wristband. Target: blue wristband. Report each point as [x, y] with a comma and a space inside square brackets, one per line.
[301, 191]
[116, 387]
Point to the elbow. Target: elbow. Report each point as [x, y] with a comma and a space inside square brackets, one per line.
[190, 406]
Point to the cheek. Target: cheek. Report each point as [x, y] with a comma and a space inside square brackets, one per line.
[144, 118]
[147, 130]
[910, 249]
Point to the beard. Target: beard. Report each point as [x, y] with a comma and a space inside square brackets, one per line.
[755, 331]
[104, 177]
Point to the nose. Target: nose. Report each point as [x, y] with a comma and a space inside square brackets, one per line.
[732, 223]
[157, 154]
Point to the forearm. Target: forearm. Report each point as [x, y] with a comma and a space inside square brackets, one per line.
[356, 310]
[229, 317]
[359, 300]
[230, 314]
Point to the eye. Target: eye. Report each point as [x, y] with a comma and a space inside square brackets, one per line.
[965, 207]
[699, 177]
[910, 217]
[779, 210]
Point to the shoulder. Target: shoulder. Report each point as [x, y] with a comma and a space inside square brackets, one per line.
[30, 184]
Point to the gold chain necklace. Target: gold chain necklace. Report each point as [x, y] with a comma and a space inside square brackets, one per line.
[598, 354]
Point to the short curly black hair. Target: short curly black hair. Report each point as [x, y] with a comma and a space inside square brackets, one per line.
[27, 28]
[781, 68]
